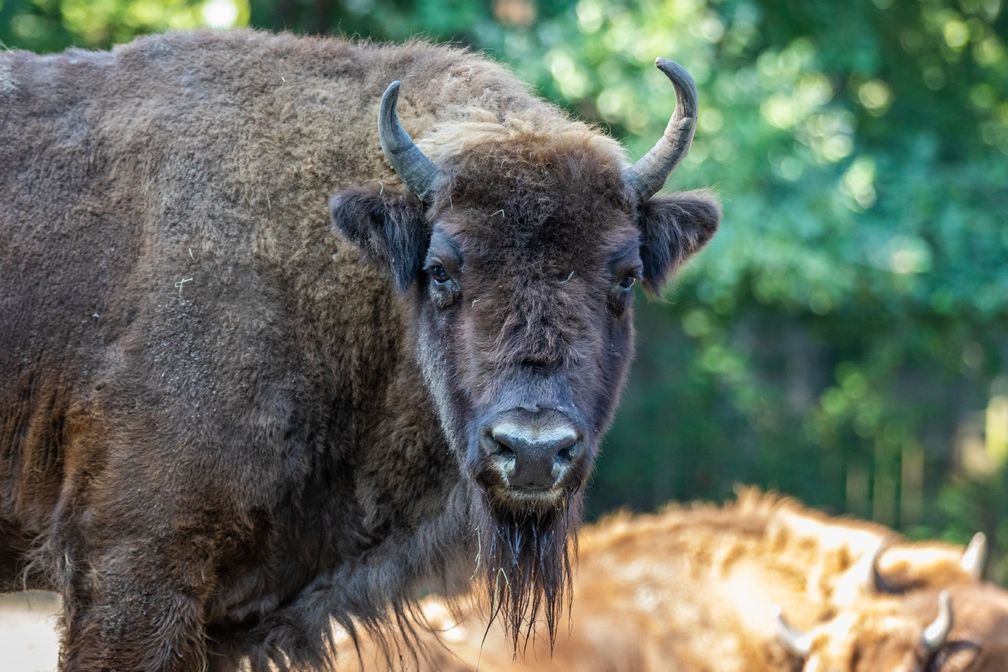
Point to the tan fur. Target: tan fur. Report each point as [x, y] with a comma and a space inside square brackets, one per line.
[884, 633]
[445, 140]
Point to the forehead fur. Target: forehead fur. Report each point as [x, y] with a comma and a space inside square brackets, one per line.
[568, 167]
[479, 127]
[556, 161]
[536, 189]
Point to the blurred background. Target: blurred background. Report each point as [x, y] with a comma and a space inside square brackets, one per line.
[844, 338]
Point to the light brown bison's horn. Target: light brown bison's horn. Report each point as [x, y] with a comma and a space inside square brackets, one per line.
[798, 644]
[648, 175]
[871, 579]
[975, 556]
[416, 171]
[937, 632]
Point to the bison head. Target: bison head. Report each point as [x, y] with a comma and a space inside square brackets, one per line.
[518, 252]
[918, 632]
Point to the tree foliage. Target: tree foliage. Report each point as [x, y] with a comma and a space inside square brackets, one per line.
[844, 337]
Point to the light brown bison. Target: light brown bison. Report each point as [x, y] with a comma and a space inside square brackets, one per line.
[229, 413]
[727, 589]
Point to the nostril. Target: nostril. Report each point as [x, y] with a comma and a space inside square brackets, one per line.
[498, 445]
[566, 455]
[504, 450]
[500, 441]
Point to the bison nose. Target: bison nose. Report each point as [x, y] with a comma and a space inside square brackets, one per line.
[534, 454]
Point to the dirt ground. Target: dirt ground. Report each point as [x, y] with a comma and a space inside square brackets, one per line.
[27, 632]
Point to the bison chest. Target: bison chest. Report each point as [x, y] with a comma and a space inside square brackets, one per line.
[290, 549]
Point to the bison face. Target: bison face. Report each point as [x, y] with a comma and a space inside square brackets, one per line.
[521, 276]
[523, 316]
[518, 253]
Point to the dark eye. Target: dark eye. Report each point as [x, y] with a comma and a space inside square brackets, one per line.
[439, 274]
[627, 282]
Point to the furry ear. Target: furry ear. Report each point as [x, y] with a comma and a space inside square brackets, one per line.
[389, 228]
[673, 228]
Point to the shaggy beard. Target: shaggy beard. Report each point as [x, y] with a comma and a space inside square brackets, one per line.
[525, 557]
[524, 560]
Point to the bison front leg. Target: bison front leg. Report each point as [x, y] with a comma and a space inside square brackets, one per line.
[136, 606]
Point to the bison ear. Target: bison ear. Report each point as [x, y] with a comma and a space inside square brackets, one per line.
[673, 228]
[389, 228]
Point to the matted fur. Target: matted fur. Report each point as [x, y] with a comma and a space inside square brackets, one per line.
[224, 424]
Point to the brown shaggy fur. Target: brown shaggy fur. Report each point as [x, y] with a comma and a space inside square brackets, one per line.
[221, 424]
[695, 589]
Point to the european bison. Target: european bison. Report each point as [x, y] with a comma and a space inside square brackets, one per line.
[700, 589]
[228, 413]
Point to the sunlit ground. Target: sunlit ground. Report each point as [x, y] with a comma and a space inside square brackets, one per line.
[27, 632]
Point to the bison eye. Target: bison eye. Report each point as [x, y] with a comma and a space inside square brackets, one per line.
[627, 282]
[438, 274]
[444, 289]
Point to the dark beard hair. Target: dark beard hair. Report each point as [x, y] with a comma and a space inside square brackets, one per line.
[525, 557]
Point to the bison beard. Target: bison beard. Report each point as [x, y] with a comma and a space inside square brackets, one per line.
[525, 556]
[525, 561]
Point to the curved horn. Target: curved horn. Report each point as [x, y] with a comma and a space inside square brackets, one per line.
[416, 171]
[798, 644]
[975, 556]
[872, 580]
[937, 632]
[648, 175]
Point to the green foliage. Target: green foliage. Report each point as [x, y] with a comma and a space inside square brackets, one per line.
[844, 337]
[54, 25]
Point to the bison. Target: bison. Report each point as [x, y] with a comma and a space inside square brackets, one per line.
[726, 589]
[229, 414]
[960, 629]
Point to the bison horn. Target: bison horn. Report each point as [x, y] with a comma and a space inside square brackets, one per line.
[975, 556]
[416, 171]
[798, 644]
[648, 175]
[872, 580]
[937, 632]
